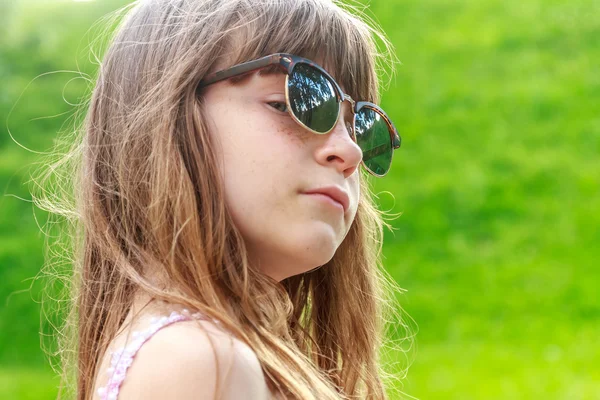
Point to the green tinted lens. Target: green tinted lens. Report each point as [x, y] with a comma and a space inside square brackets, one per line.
[373, 137]
[312, 98]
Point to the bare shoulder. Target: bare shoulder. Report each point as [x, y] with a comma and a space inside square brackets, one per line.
[187, 360]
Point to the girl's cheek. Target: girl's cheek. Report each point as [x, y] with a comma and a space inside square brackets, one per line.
[295, 135]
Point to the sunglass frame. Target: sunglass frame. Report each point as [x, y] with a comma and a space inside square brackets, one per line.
[287, 62]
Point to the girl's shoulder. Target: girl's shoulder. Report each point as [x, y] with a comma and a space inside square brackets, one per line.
[179, 355]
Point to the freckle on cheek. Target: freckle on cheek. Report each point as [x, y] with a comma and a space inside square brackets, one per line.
[302, 138]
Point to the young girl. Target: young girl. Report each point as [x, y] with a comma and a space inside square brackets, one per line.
[230, 247]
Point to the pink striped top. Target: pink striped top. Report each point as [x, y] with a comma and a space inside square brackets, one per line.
[122, 358]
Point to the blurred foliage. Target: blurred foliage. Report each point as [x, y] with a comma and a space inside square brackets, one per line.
[497, 180]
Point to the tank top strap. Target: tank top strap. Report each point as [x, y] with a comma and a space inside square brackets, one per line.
[122, 358]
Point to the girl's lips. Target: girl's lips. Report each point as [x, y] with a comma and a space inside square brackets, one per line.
[335, 193]
[327, 200]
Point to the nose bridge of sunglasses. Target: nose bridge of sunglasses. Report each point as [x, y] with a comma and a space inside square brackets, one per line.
[350, 100]
[345, 120]
[347, 111]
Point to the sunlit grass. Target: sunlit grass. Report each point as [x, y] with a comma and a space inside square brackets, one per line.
[27, 384]
[497, 180]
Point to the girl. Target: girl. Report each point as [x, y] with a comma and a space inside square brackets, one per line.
[229, 245]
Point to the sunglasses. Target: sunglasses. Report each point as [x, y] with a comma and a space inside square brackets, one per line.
[314, 100]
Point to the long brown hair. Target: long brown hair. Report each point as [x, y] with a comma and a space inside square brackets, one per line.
[141, 193]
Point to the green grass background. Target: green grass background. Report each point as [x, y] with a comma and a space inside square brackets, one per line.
[498, 180]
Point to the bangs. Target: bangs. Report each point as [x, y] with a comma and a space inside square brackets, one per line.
[318, 30]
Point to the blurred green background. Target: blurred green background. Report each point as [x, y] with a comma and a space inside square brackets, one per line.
[498, 180]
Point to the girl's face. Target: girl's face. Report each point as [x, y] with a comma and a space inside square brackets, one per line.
[268, 161]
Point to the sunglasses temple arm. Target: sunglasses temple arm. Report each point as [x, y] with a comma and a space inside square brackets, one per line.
[240, 69]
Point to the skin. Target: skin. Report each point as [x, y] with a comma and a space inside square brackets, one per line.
[267, 161]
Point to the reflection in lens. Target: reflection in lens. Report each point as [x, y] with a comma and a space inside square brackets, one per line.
[312, 98]
[373, 137]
